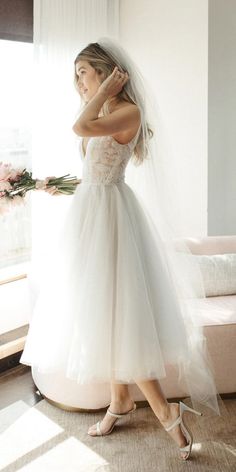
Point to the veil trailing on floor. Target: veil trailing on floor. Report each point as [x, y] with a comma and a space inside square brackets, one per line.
[158, 195]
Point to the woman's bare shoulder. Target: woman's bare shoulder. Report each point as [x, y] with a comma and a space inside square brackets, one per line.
[122, 104]
[124, 137]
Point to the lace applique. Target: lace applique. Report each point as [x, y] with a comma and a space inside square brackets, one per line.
[106, 160]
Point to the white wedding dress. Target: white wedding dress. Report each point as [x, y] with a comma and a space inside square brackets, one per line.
[107, 309]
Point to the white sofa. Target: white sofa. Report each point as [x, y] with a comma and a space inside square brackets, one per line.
[218, 316]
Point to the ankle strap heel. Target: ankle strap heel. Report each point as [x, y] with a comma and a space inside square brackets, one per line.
[187, 408]
[122, 414]
[187, 433]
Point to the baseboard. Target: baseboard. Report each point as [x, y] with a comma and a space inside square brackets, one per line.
[10, 362]
[11, 348]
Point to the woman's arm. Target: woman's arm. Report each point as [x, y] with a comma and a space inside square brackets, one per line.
[90, 113]
[88, 123]
[120, 120]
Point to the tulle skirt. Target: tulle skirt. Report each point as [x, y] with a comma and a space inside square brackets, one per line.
[107, 308]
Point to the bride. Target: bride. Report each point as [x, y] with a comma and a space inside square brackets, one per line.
[123, 321]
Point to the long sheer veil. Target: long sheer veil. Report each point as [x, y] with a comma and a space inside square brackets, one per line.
[158, 194]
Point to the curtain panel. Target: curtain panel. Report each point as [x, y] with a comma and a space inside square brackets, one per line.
[61, 29]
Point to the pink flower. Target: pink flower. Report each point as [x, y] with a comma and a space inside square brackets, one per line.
[5, 185]
[5, 171]
[15, 175]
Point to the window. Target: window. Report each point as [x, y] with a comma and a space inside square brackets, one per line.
[16, 86]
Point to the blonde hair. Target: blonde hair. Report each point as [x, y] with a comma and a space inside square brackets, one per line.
[104, 65]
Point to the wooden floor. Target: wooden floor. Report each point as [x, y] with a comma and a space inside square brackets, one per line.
[17, 384]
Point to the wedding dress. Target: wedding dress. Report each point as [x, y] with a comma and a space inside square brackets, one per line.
[119, 288]
[107, 309]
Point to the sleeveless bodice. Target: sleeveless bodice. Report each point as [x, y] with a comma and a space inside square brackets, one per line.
[105, 160]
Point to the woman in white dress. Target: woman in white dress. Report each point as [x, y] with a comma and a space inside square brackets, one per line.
[122, 123]
[117, 318]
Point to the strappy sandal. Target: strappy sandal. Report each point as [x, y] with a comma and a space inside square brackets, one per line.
[116, 415]
[188, 435]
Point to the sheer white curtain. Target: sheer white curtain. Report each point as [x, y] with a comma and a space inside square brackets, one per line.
[61, 29]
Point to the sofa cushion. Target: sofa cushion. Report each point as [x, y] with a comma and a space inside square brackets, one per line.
[215, 311]
[219, 273]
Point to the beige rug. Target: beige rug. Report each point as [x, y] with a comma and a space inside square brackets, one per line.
[45, 438]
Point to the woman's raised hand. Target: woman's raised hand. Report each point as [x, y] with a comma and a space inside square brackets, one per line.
[114, 83]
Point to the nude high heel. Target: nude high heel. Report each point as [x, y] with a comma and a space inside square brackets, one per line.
[184, 429]
[116, 415]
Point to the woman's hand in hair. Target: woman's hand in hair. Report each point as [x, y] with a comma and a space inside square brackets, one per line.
[114, 83]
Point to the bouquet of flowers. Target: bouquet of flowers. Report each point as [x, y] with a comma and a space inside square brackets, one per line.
[14, 183]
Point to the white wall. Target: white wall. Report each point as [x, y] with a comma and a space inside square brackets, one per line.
[222, 117]
[169, 41]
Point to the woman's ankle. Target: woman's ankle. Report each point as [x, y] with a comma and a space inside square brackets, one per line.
[164, 414]
[121, 400]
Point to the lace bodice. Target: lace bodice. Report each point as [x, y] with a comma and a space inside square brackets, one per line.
[106, 159]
